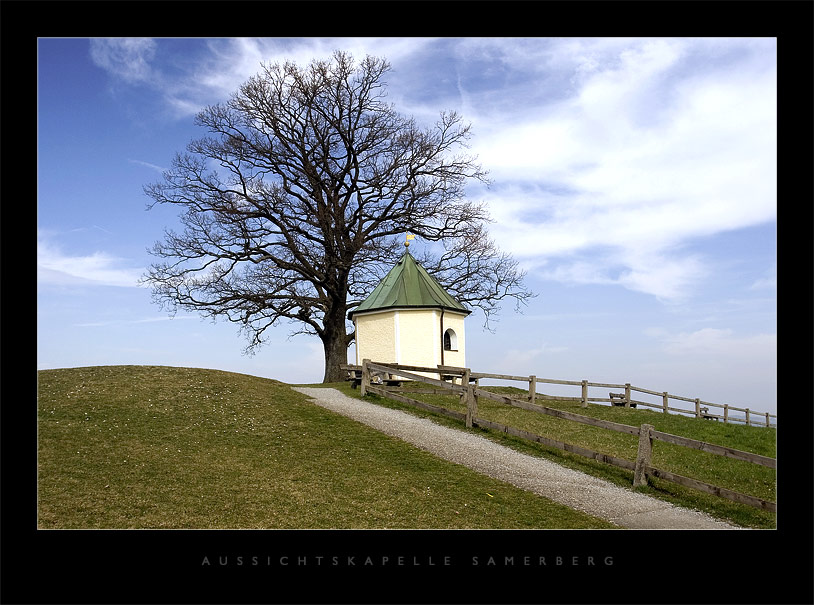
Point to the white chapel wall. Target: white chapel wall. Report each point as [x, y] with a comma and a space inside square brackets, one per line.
[456, 322]
[375, 337]
[417, 335]
[409, 337]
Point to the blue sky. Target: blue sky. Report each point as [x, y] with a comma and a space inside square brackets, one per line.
[633, 178]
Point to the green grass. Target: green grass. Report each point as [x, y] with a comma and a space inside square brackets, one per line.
[733, 474]
[162, 447]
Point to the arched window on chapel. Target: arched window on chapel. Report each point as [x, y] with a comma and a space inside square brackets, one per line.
[450, 340]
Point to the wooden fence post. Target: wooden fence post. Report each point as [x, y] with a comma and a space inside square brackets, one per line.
[697, 407]
[471, 405]
[627, 394]
[532, 388]
[665, 401]
[465, 377]
[768, 423]
[585, 393]
[748, 421]
[643, 456]
[365, 377]
[726, 413]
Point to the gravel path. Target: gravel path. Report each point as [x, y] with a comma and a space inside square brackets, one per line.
[577, 490]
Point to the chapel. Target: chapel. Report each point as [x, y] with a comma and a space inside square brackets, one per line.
[409, 319]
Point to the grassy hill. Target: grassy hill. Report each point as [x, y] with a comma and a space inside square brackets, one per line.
[736, 475]
[162, 447]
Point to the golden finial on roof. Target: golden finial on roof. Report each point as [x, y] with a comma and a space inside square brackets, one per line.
[407, 242]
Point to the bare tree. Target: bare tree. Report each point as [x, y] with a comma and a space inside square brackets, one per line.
[300, 196]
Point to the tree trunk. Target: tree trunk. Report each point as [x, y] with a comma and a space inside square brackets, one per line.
[335, 344]
[335, 341]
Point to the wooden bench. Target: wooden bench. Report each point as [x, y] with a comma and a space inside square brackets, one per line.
[706, 415]
[618, 399]
[355, 377]
[453, 377]
[388, 383]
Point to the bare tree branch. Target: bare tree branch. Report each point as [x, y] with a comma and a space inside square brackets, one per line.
[294, 203]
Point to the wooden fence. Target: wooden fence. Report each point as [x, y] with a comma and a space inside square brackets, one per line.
[470, 393]
[700, 409]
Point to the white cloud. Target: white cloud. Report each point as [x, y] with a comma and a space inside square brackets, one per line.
[670, 278]
[654, 147]
[125, 58]
[768, 281]
[607, 154]
[716, 364]
[147, 165]
[229, 62]
[54, 267]
[523, 360]
[721, 344]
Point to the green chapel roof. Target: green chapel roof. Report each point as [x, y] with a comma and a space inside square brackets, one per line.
[409, 285]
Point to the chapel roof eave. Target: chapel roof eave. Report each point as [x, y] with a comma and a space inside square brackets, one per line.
[409, 286]
[357, 311]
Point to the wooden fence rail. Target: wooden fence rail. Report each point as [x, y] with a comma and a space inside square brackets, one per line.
[642, 467]
[752, 417]
[700, 407]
